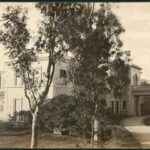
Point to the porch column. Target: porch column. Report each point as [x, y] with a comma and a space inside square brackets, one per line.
[114, 106]
[139, 105]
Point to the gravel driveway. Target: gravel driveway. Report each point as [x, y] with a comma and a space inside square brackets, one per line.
[140, 131]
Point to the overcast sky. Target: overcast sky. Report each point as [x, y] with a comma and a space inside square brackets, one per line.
[135, 18]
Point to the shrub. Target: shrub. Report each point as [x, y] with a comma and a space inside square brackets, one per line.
[19, 120]
[58, 112]
[118, 117]
[6, 125]
[105, 133]
[74, 117]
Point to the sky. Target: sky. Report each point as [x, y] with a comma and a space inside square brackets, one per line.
[134, 17]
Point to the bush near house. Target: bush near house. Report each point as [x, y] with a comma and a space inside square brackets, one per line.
[58, 113]
[62, 112]
[18, 121]
[118, 117]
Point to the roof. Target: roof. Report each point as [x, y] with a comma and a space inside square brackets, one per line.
[44, 57]
[135, 66]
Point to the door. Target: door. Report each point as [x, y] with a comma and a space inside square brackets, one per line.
[145, 107]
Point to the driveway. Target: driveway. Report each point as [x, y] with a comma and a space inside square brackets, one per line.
[140, 131]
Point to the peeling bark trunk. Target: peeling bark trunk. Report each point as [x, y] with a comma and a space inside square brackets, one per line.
[95, 136]
[34, 135]
[92, 133]
[95, 125]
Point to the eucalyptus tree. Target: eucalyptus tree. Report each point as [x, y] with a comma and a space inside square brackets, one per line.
[98, 66]
[54, 37]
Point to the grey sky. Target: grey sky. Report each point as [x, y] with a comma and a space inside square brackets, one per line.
[135, 18]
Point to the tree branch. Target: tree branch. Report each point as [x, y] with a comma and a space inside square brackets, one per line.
[25, 91]
[31, 88]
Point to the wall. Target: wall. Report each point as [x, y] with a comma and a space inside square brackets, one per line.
[59, 87]
[13, 91]
[2, 94]
[131, 102]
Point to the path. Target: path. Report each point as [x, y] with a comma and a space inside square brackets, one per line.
[140, 131]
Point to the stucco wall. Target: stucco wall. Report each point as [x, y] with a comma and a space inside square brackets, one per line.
[13, 91]
[131, 101]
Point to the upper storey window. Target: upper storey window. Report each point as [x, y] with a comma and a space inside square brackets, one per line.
[63, 73]
[135, 80]
[17, 81]
[63, 76]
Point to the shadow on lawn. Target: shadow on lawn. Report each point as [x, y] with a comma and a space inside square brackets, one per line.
[14, 133]
[146, 121]
[121, 138]
[125, 138]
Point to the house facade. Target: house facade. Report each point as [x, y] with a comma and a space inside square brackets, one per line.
[2, 94]
[12, 97]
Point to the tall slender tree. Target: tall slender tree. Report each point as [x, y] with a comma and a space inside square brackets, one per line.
[98, 52]
[54, 37]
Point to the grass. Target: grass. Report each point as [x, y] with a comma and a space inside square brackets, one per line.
[125, 138]
[46, 141]
[121, 138]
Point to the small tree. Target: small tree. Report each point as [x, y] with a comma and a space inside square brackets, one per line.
[53, 38]
[93, 63]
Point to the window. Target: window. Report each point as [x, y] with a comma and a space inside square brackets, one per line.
[63, 76]
[117, 107]
[18, 103]
[135, 80]
[112, 106]
[63, 73]
[17, 80]
[124, 105]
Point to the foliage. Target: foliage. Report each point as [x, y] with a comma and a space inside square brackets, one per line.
[119, 81]
[59, 112]
[67, 113]
[105, 133]
[6, 126]
[99, 66]
[55, 35]
[99, 55]
[92, 37]
[52, 39]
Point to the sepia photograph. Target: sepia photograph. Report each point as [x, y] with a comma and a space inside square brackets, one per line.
[75, 75]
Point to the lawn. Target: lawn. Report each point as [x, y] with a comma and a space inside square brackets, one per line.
[121, 138]
[45, 141]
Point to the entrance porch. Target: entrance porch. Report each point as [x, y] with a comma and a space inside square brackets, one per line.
[141, 99]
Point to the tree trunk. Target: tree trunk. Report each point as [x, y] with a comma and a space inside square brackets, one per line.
[92, 134]
[95, 138]
[95, 126]
[34, 134]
